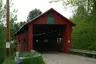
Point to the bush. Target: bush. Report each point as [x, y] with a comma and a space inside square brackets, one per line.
[32, 58]
[2, 54]
[35, 60]
[28, 58]
[27, 54]
[9, 60]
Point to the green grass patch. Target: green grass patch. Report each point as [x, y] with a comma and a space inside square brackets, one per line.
[31, 58]
[29, 54]
[28, 58]
[35, 60]
[9, 60]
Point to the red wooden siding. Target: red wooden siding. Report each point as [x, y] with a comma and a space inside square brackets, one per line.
[58, 19]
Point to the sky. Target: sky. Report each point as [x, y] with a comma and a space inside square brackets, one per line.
[25, 6]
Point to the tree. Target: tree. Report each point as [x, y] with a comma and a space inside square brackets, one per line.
[2, 35]
[88, 4]
[33, 14]
[13, 18]
[0, 12]
[0, 8]
[83, 35]
[18, 25]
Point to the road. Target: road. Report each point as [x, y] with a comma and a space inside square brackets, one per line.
[61, 58]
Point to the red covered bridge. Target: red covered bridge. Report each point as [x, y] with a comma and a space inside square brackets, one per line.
[49, 31]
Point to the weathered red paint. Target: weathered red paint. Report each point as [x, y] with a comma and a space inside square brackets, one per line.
[58, 19]
[30, 36]
[67, 36]
[20, 40]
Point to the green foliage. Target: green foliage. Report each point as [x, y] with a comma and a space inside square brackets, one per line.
[84, 34]
[27, 54]
[0, 10]
[32, 58]
[35, 60]
[12, 48]
[33, 14]
[9, 60]
[13, 17]
[29, 58]
[2, 35]
[2, 54]
[18, 25]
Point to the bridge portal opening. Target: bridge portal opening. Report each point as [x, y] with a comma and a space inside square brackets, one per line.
[48, 37]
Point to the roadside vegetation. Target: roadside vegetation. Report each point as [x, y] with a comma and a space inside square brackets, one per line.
[32, 58]
[27, 58]
[14, 26]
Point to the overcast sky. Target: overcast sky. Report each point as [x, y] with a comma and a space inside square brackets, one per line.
[25, 6]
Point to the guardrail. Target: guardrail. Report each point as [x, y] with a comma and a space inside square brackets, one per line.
[84, 52]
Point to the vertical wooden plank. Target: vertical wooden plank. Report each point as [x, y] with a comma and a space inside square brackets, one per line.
[30, 37]
[70, 37]
[66, 35]
[22, 44]
[16, 43]
[64, 42]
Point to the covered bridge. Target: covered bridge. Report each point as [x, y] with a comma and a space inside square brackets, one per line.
[49, 31]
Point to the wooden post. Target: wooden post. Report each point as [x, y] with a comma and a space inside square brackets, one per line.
[30, 37]
[7, 29]
[65, 39]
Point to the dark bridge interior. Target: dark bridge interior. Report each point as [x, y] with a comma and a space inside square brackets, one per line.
[47, 37]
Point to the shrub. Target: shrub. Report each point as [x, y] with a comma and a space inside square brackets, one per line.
[27, 54]
[35, 60]
[32, 58]
[9, 60]
[28, 58]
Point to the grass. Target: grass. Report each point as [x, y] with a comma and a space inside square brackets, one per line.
[35, 60]
[32, 58]
[31, 54]
[9, 60]
[28, 58]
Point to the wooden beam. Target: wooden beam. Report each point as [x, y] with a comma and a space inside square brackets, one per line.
[30, 37]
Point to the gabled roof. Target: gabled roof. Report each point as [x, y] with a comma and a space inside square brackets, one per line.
[48, 11]
[40, 16]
